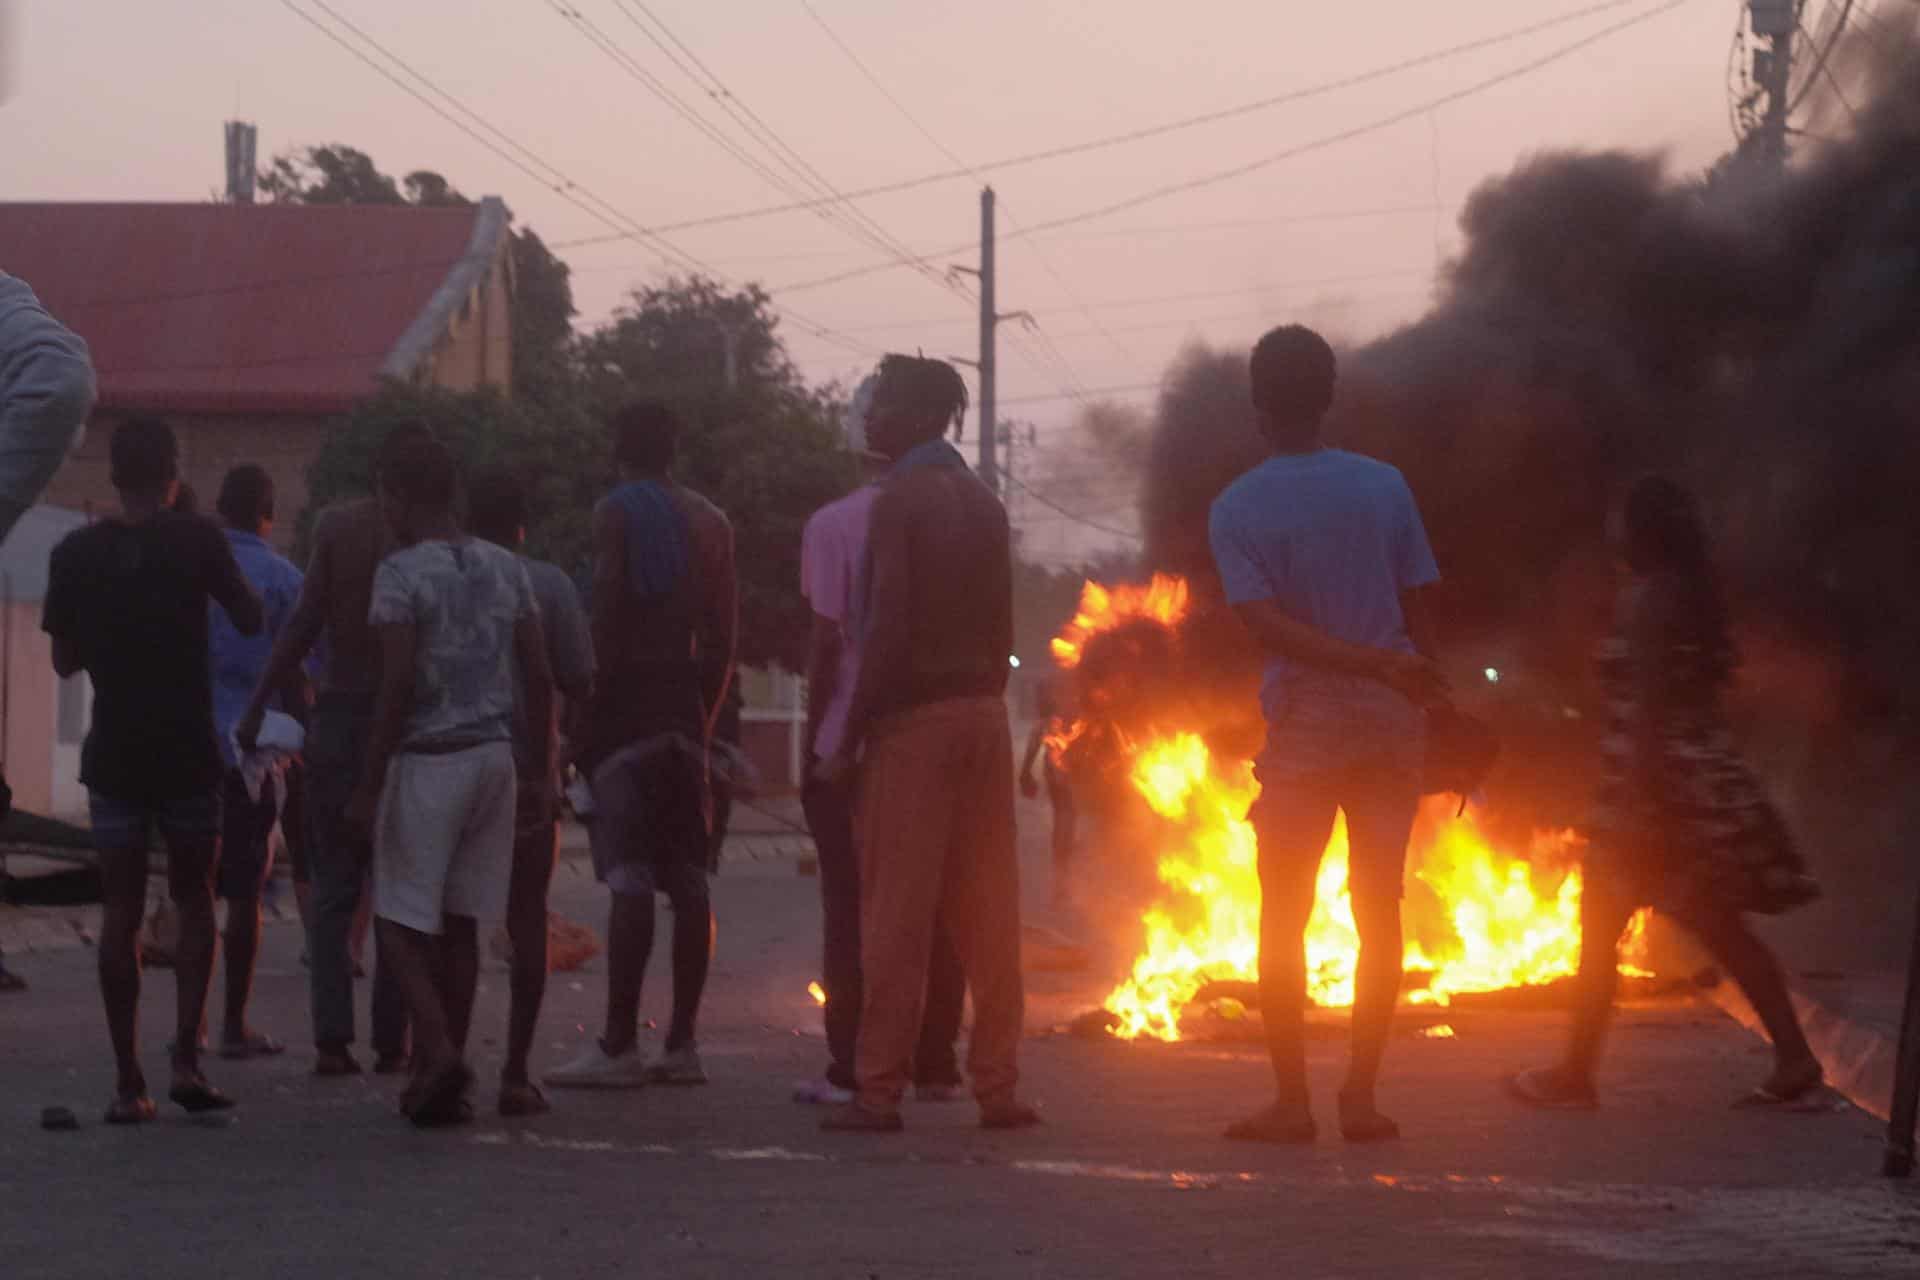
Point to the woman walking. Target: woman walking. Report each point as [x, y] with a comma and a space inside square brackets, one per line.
[1681, 824]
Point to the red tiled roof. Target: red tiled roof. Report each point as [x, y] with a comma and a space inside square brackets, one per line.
[235, 308]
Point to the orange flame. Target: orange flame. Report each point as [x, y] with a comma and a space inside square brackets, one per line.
[1478, 918]
[818, 992]
[1164, 600]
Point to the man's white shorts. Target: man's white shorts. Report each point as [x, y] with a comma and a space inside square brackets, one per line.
[443, 841]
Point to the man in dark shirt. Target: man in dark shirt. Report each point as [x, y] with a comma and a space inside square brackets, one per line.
[127, 604]
[935, 808]
[664, 609]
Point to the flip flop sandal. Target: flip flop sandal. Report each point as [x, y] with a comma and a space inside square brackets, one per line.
[518, 1101]
[1268, 1128]
[130, 1111]
[1536, 1090]
[258, 1044]
[442, 1099]
[197, 1097]
[1806, 1094]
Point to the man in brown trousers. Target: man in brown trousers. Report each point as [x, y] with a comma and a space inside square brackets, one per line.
[928, 725]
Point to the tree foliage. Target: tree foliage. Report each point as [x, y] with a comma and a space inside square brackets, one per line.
[757, 441]
[543, 307]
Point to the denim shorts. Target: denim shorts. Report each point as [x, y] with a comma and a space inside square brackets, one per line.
[124, 825]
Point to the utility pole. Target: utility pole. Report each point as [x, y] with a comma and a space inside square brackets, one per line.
[991, 318]
[989, 325]
[1776, 22]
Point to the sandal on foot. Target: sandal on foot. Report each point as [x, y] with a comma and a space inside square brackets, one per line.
[1788, 1091]
[1547, 1089]
[391, 1064]
[518, 1101]
[11, 981]
[258, 1044]
[138, 1109]
[1009, 1115]
[441, 1098]
[335, 1063]
[1275, 1128]
[1365, 1124]
[196, 1097]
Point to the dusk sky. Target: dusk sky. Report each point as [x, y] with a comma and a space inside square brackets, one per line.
[115, 100]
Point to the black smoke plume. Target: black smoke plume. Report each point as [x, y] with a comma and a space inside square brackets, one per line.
[1755, 335]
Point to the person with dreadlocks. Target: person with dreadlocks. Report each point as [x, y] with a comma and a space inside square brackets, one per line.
[832, 550]
[1680, 823]
[928, 725]
[664, 608]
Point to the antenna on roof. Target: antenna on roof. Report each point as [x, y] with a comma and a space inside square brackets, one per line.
[242, 139]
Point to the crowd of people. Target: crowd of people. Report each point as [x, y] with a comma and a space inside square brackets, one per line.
[445, 683]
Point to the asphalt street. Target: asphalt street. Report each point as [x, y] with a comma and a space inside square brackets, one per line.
[1129, 1176]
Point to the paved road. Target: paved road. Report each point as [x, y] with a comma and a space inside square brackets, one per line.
[321, 1179]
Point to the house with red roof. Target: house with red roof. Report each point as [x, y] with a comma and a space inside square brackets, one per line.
[253, 327]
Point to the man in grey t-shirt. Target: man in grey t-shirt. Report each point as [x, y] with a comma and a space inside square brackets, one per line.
[454, 616]
[497, 512]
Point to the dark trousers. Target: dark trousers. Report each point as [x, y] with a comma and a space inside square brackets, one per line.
[339, 861]
[829, 809]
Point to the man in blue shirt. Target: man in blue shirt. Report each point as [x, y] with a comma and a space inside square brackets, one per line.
[246, 511]
[1323, 556]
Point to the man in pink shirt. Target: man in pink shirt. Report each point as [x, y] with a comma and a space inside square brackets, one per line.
[832, 552]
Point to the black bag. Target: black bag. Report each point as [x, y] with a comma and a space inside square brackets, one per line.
[1461, 750]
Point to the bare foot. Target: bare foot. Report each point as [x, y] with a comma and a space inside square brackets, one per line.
[1280, 1125]
[1361, 1121]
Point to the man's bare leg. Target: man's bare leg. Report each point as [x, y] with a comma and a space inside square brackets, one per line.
[1376, 993]
[418, 962]
[123, 874]
[191, 880]
[629, 943]
[459, 976]
[1293, 835]
[242, 943]
[527, 932]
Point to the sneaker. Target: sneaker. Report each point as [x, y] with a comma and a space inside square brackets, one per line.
[595, 1068]
[821, 1093]
[939, 1092]
[678, 1066]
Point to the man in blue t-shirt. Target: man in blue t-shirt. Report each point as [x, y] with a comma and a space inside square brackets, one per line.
[1323, 556]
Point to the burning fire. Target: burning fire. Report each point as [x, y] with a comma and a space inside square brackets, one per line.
[818, 992]
[1478, 918]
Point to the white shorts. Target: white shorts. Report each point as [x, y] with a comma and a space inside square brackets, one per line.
[443, 840]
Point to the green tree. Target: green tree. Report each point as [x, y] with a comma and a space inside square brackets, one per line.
[543, 307]
[559, 453]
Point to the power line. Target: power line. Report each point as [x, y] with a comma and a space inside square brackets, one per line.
[506, 148]
[843, 213]
[1052, 351]
[1136, 135]
[1336, 215]
[1119, 304]
[1074, 516]
[1289, 153]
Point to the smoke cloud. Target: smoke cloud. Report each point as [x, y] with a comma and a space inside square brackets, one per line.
[1756, 336]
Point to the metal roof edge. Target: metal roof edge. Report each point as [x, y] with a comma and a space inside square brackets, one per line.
[417, 342]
